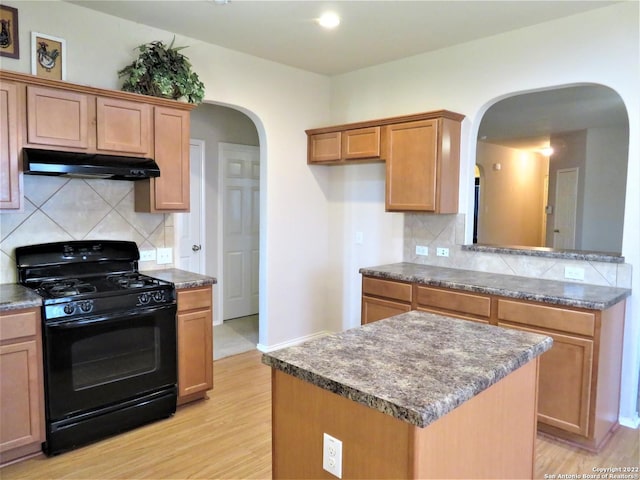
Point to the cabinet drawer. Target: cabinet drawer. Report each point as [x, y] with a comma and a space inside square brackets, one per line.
[465, 303]
[374, 309]
[17, 325]
[386, 288]
[192, 298]
[581, 323]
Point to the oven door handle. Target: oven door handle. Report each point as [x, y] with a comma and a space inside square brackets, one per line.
[108, 318]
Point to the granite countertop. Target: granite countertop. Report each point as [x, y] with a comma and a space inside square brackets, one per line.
[569, 294]
[16, 297]
[415, 366]
[182, 278]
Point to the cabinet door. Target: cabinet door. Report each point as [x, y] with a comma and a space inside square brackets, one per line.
[123, 126]
[361, 143]
[463, 305]
[374, 309]
[10, 190]
[195, 352]
[564, 382]
[20, 420]
[410, 150]
[171, 190]
[324, 147]
[57, 118]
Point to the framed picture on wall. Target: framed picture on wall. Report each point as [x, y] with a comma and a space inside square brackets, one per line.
[48, 56]
[9, 38]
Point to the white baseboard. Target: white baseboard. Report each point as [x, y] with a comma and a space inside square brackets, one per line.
[290, 343]
[631, 422]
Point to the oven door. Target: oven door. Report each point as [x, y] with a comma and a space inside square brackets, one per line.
[102, 360]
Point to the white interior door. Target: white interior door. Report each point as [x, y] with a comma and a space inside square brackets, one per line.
[240, 177]
[191, 252]
[564, 228]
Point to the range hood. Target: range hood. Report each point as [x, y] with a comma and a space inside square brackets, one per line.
[86, 165]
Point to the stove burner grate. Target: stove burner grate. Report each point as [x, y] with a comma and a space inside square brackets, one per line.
[67, 287]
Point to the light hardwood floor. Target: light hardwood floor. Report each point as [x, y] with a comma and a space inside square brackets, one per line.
[229, 436]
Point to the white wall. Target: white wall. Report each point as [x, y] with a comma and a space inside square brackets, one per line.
[600, 46]
[606, 171]
[281, 101]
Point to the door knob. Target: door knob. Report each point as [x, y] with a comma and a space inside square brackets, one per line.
[195, 248]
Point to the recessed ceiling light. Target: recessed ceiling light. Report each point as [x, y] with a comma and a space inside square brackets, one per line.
[329, 20]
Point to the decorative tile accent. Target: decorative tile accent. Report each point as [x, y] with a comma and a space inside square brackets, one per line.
[39, 188]
[77, 208]
[448, 231]
[8, 223]
[60, 209]
[145, 223]
[111, 191]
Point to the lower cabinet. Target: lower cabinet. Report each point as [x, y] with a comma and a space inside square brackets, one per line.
[384, 299]
[21, 388]
[195, 343]
[579, 378]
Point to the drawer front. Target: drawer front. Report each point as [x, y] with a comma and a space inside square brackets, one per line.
[572, 321]
[193, 298]
[454, 301]
[374, 309]
[17, 325]
[387, 288]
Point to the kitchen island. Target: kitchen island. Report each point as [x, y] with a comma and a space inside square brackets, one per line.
[417, 395]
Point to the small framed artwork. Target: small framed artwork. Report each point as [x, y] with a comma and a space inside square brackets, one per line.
[9, 38]
[48, 56]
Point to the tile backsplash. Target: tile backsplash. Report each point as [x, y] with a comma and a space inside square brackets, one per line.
[448, 231]
[59, 209]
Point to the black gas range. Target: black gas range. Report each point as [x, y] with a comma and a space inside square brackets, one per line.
[109, 339]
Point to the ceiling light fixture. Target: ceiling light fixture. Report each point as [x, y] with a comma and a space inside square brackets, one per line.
[329, 20]
[547, 151]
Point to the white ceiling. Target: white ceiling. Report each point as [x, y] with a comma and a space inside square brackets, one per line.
[526, 121]
[371, 32]
[378, 31]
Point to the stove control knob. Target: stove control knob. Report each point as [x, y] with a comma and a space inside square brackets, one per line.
[144, 298]
[158, 297]
[69, 308]
[86, 306]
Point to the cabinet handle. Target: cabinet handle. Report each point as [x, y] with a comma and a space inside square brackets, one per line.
[195, 248]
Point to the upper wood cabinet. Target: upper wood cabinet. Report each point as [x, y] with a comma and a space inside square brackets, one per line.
[423, 165]
[50, 114]
[324, 147]
[422, 153]
[123, 126]
[57, 118]
[345, 145]
[169, 192]
[60, 118]
[10, 176]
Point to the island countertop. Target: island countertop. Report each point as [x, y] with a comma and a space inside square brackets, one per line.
[593, 297]
[416, 366]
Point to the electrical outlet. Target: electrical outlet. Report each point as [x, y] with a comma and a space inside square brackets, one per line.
[422, 250]
[165, 255]
[147, 255]
[574, 273]
[332, 455]
[442, 252]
